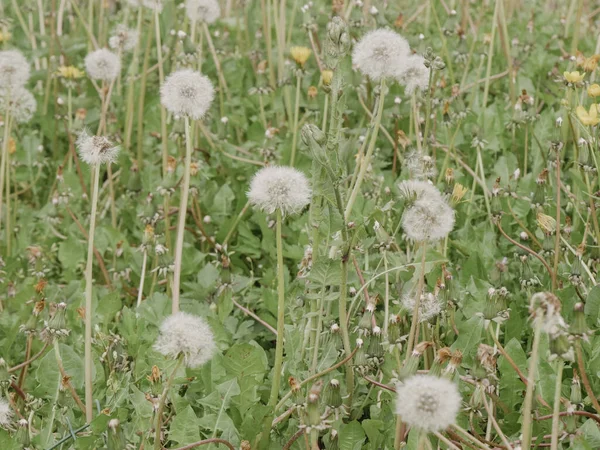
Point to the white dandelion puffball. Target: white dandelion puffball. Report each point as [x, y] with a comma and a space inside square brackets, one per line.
[19, 102]
[154, 5]
[187, 334]
[6, 414]
[187, 93]
[414, 75]
[381, 54]
[14, 69]
[102, 65]
[429, 306]
[283, 188]
[413, 190]
[428, 219]
[427, 402]
[202, 10]
[96, 149]
[124, 38]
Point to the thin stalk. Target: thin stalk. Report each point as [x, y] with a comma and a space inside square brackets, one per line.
[296, 114]
[182, 213]
[223, 84]
[280, 314]
[367, 160]
[142, 97]
[161, 78]
[4, 163]
[142, 277]
[343, 316]
[490, 55]
[414, 329]
[88, 297]
[557, 230]
[161, 404]
[556, 410]
[526, 428]
[235, 223]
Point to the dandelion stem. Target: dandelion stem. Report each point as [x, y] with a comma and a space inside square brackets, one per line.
[296, 114]
[367, 160]
[414, 329]
[182, 213]
[527, 405]
[555, 413]
[88, 297]
[142, 277]
[4, 163]
[161, 404]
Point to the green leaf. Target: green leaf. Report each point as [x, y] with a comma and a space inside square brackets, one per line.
[351, 436]
[592, 306]
[184, 428]
[244, 360]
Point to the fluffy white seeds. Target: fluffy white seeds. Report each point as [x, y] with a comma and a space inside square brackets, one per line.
[187, 93]
[14, 69]
[154, 5]
[283, 188]
[427, 402]
[202, 10]
[6, 414]
[429, 306]
[19, 102]
[427, 217]
[124, 38]
[414, 75]
[96, 149]
[381, 54]
[102, 65]
[187, 334]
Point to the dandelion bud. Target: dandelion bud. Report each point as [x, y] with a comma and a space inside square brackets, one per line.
[279, 188]
[579, 326]
[102, 65]
[428, 403]
[442, 357]
[338, 42]
[245, 445]
[188, 335]
[207, 11]
[57, 325]
[576, 397]
[23, 437]
[311, 133]
[187, 93]
[594, 90]
[300, 54]
[116, 438]
[6, 414]
[335, 328]
[312, 404]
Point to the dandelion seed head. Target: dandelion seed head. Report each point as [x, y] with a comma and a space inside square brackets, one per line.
[430, 306]
[19, 102]
[124, 38]
[207, 11]
[283, 188]
[187, 334]
[187, 93]
[103, 65]
[154, 5]
[414, 75]
[14, 69]
[412, 190]
[428, 219]
[427, 402]
[6, 414]
[96, 149]
[381, 54]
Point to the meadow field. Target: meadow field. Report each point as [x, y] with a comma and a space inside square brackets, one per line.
[271, 224]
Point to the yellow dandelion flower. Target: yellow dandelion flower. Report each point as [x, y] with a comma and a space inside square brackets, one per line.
[574, 77]
[588, 118]
[546, 223]
[5, 36]
[70, 72]
[327, 76]
[594, 90]
[458, 192]
[300, 54]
